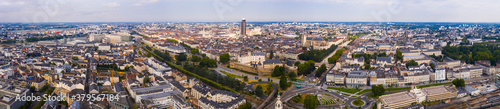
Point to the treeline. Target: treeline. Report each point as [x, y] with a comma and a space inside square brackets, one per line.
[306, 68]
[471, 54]
[34, 39]
[336, 56]
[317, 55]
[214, 76]
[8, 41]
[203, 79]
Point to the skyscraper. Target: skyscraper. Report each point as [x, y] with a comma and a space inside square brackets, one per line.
[243, 27]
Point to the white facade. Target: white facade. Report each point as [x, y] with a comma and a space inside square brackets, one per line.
[440, 74]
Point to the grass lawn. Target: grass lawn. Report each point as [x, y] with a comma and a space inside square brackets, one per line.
[267, 88]
[252, 81]
[244, 71]
[358, 102]
[348, 90]
[231, 75]
[299, 98]
[326, 101]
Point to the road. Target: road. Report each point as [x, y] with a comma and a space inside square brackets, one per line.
[269, 97]
[325, 60]
[288, 95]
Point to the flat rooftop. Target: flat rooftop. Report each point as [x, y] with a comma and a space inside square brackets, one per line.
[398, 97]
[438, 90]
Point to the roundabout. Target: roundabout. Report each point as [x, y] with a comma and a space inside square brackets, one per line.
[358, 102]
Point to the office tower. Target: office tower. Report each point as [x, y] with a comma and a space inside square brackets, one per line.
[243, 27]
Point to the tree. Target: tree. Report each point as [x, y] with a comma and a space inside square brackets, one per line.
[207, 62]
[146, 80]
[278, 71]
[284, 82]
[245, 78]
[224, 58]
[320, 70]
[271, 55]
[195, 51]
[258, 91]
[306, 67]
[148, 55]
[377, 90]
[246, 105]
[399, 55]
[195, 58]
[292, 75]
[432, 66]
[74, 58]
[411, 63]
[458, 82]
[181, 57]
[296, 63]
[311, 102]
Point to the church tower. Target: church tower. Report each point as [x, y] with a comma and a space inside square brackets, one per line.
[279, 105]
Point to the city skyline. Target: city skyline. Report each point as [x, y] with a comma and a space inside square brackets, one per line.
[257, 10]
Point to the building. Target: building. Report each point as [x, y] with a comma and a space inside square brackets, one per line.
[170, 99]
[243, 27]
[137, 93]
[439, 74]
[397, 100]
[356, 78]
[278, 103]
[216, 99]
[252, 58]
[8, 95]
[440, 92]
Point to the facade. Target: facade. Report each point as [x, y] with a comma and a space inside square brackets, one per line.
[243, 27]
[170, 99]
[252, 58]
[357, 78]
[8, 95]
[440, 74]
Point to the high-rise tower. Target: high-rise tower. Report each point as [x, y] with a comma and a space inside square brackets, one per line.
[243, 27]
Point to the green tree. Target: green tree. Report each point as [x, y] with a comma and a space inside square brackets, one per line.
[377, 90]
[246, 105]
[411, 63]
[284, 82]
[181, 57]
[311, 102]
[278, 71]
[271, 55]
[432, 65]
[148, 55]
[245, 78]
[320, 70]
[195, 51]
[195, 58]
[224, 58]
[292, 75]
[258, 91]
[399, 55]
[306, 67]
[146, 80]
[296, 63]
[458, 82]
[74, 58]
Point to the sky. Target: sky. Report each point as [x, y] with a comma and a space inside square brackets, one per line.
[35, 11]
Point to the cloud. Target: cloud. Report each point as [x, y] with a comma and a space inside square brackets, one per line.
[112, 4]
[144, 2]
